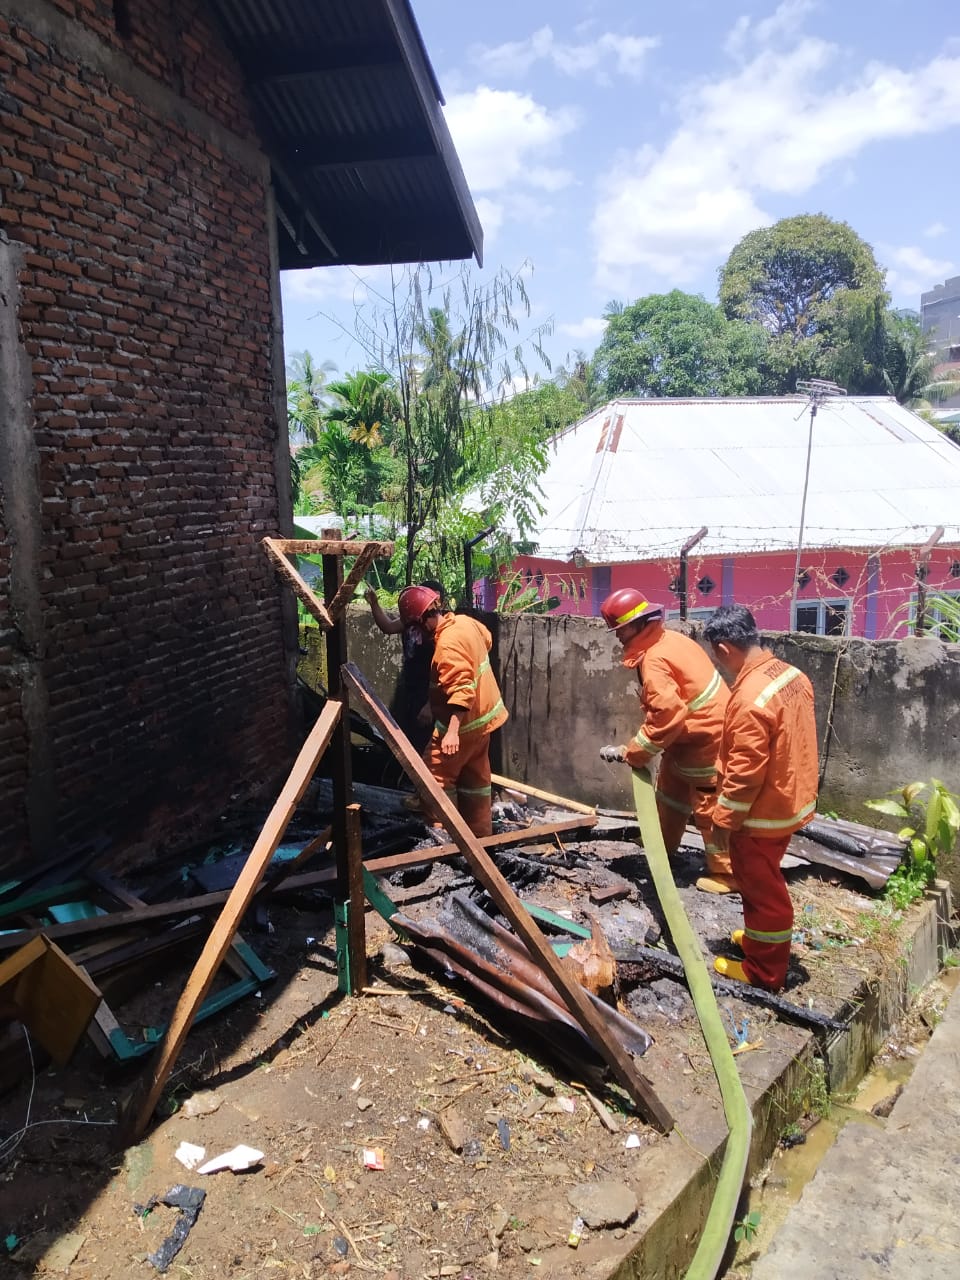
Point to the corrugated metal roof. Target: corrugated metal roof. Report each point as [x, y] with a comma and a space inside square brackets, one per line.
[348, 109]
[879, 476]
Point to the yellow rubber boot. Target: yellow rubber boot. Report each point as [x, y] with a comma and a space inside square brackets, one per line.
[731, 969]
[718, 884]
[736, 937]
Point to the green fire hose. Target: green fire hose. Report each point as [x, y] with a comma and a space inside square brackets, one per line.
[716, 1231]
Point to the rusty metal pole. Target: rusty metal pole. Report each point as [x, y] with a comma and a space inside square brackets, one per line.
[684, 553]
[923, 564]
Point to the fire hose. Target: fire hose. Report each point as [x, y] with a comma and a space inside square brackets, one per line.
[716, 1230]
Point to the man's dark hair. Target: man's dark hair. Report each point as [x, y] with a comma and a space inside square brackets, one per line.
[732, 624]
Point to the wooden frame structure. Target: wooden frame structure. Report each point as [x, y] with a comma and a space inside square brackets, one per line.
[331, 732]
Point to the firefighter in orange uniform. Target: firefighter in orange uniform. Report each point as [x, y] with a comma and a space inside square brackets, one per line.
[768, 762]
[465, 703]
[683, 702]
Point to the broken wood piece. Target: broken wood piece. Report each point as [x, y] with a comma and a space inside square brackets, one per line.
[570, 991]
[53, 998]
[592, 963]
[312, 603]
[610, 893]
[142, 1107]
[453, 1127]
[607, 1118]
[576, 805]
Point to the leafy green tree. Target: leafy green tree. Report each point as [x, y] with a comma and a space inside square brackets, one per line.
[909, 365]
[448, 349]
[307, 395]
[815, 287]
[676, 344]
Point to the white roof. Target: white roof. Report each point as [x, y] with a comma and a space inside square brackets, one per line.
[879, 476]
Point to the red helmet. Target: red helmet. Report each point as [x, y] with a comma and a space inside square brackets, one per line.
[628, 605]
[414, 602]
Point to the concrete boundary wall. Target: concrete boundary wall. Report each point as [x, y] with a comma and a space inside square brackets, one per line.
[894, 706]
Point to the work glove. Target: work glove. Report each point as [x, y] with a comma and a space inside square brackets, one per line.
[611, 754]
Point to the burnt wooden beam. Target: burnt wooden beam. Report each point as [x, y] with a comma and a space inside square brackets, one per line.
[158, 911]
[569, 990]
[328, 547]
[315, 606]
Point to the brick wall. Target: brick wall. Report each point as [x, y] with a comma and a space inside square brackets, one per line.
[145, 313]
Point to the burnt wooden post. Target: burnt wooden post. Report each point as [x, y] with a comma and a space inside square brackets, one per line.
[351, 935]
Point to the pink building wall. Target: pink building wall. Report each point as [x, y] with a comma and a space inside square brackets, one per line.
[878, 587]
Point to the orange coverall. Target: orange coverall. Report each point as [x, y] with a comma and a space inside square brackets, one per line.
[462, 682]
[684, 699]
[768, 762]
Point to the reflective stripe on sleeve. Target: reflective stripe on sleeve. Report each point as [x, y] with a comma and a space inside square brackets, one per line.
[708, 694]
[778, 824]
[739, 806]
[645, 744]
[775, 686]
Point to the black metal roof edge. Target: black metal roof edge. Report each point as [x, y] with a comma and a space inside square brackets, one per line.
[410, 40]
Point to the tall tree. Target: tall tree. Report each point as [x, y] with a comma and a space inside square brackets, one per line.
[448, 348]
[816, 288]
[307, 396]
[676, 344]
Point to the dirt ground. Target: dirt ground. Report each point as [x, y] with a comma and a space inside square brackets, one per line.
[331, 1088]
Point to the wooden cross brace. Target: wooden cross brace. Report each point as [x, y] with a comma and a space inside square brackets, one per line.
[330, 612]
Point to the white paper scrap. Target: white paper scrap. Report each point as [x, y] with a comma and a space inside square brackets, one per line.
[237, 1159]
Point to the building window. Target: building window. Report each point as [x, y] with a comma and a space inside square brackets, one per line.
[840, 577]
[706, 585]
[822, 617]
[941, 616]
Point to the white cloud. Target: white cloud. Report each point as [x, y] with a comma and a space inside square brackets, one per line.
[627, 54]
[334, 284]
[505, 141]
[777, 124]
[502, 138]
[784, 23]
[911, 271]
[935, 229]
[584, 330]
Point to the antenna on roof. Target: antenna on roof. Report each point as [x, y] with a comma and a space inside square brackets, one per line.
[816, 390]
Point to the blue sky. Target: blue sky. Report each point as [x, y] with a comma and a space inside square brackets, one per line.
[623, 147]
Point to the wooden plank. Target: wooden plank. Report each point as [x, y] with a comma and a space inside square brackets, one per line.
[306, 880]
[570, 991]
[53, 998]
[279, 875]
[345, 590]
[142, 1105]
[329, 547]
[576, 805]
[314, 605]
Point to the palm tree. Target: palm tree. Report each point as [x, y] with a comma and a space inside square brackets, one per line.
[909, 371]
[307, 396]
[365, 406]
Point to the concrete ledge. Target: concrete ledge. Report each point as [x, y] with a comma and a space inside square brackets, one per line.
[676, 1176]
